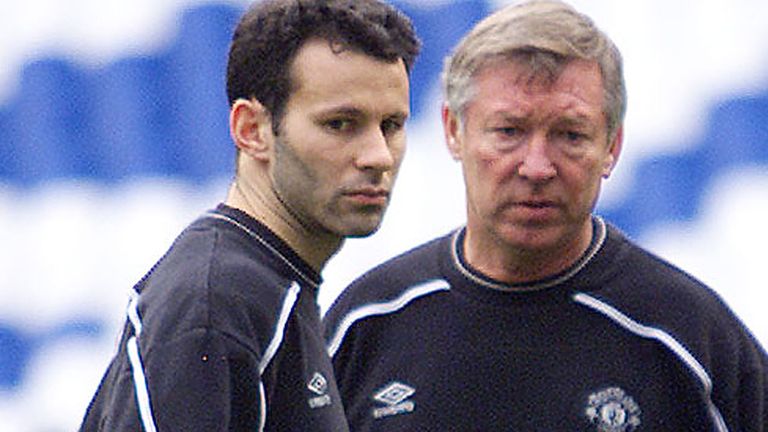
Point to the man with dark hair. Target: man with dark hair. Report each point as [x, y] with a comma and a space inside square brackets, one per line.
[223, 333]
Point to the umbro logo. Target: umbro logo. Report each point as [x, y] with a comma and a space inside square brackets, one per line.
[395, 396]
[318, 385]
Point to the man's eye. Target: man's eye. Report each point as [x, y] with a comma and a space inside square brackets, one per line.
[508, 131]
[573, 136]
[339, 125]
[388, 127]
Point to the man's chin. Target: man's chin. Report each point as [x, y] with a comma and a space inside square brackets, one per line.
[531, 238]
[361, 232]
[362, 229]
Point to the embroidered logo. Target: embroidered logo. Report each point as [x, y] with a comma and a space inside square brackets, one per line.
[319, 386]
[394, 395]
[612, 410]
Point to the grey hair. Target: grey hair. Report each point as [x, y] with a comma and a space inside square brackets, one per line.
[545, 35]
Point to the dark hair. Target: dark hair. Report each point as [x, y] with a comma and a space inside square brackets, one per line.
[270, 33]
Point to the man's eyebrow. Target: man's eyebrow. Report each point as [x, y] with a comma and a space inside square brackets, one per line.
[507, 117]
[577, 120]
[343, 110]
[573, 120]
[399, 115]
[352, 111]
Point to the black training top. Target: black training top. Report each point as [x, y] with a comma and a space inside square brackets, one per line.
[223, 334]
[622, 341]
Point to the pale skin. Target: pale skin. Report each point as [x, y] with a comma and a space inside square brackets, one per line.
[534, 156]
[329, 172]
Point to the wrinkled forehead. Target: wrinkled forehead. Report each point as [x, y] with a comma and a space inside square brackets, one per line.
[526, 75]
[576, 92]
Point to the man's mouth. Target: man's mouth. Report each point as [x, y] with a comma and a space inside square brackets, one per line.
[370, 196]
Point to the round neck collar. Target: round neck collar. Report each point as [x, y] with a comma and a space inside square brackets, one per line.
[599, 234]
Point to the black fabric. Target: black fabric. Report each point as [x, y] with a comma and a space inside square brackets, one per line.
[209, 310]
[473, 355]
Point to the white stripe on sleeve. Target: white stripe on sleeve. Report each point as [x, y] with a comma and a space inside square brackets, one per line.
[384, 308]
[274, 345]
[667, 340]
[137, 368]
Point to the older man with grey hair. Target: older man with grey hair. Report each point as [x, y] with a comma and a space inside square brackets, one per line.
[538, 315]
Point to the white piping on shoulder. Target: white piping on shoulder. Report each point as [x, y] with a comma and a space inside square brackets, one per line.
[264, 243]
[274, 345]
[667, 340]
[383, 308]
[137, 368]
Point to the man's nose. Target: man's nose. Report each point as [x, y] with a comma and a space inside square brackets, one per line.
[375, 152]
[536, 164]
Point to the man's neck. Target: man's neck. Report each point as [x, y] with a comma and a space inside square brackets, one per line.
[517, 266]
[312, 246]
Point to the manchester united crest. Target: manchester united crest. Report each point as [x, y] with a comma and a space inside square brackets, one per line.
[612, 410]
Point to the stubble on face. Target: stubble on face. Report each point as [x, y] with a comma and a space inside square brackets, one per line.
[318, 206]
[335, 161]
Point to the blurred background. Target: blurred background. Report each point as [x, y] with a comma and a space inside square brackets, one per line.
[113, 136]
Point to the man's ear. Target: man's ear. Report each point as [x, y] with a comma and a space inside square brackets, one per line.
[250, 126]
[614, 150]
[451, 129]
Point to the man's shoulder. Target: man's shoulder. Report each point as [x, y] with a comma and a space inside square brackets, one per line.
[390, 287]
[657, 276]
[209, 256]
[657, 293]
[211, 280]
[390, 278]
